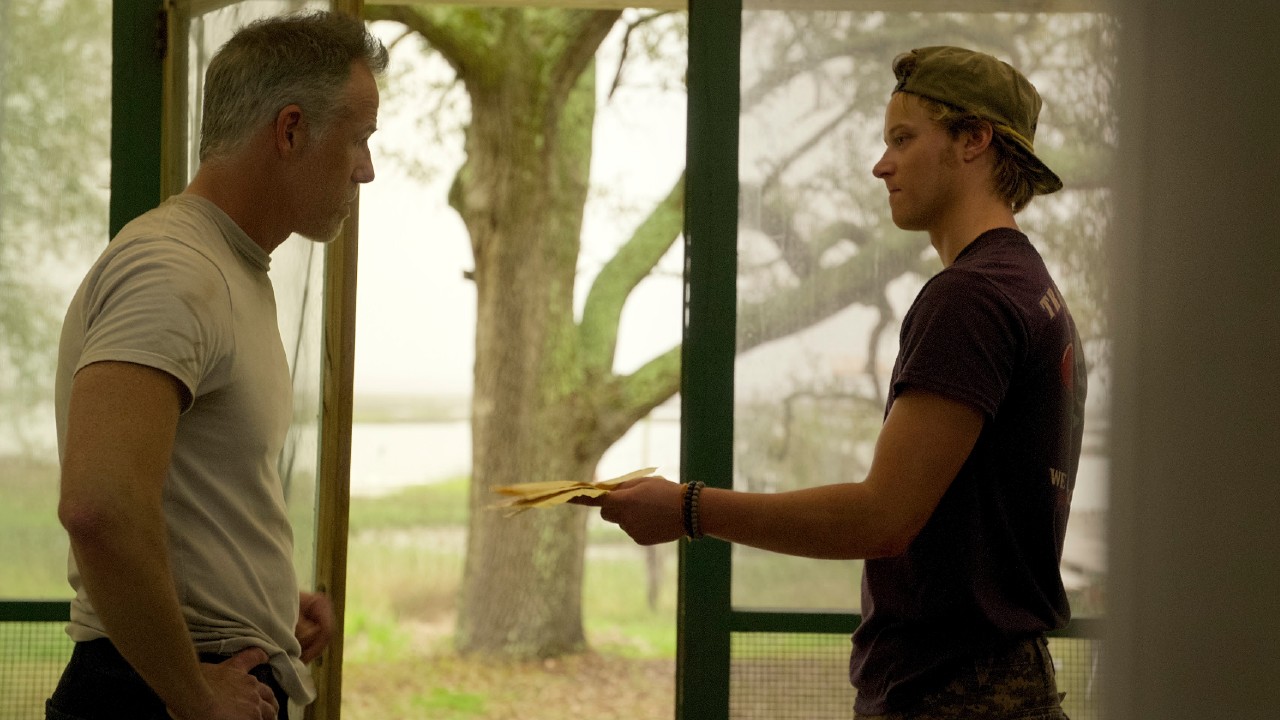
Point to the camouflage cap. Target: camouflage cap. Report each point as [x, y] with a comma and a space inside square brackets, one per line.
[989, 88]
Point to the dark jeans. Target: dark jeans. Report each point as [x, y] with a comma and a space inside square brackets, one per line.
[1016, 683]
[99, 684]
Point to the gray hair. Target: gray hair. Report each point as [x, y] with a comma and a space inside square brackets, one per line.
[302, 58]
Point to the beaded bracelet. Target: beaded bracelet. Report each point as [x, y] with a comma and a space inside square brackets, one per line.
[685, 515]
[692, 527]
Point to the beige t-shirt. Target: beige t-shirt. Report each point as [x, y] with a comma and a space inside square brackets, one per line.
[184, 290]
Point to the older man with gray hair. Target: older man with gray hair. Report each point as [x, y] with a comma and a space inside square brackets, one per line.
[173, 397]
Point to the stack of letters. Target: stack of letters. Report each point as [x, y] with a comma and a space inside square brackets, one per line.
[523, 496]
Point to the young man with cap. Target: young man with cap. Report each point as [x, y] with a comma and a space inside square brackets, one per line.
[962, 515]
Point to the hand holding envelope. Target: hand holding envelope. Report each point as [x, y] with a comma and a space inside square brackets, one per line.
[522, 496]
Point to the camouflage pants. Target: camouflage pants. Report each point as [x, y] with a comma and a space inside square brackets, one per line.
[1017, 684]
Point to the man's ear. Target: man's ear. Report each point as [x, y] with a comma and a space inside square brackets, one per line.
[977, 140]
[290, 130]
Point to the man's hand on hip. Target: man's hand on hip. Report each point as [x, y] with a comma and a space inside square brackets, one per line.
[236, 695]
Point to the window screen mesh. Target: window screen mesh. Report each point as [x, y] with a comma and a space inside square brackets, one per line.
[789, 675]
[1077, 661]
[32, 655]
[805, 676]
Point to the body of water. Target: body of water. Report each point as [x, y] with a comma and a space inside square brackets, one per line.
[388, 456]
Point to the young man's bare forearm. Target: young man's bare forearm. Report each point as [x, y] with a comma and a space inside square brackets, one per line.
[833, 522]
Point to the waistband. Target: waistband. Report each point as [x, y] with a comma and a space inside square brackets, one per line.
[99, 680]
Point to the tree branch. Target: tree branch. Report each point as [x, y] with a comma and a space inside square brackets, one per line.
[464, 51]
[873, 402]
[592, 28]
[873, 344]
[636, 395]
[860, 279]
[781, 75]
[801, 258]
[626, 46]
[624, 271]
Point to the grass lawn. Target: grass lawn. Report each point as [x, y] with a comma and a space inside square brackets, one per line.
[404, 570]
[35, 545]
[443, 687]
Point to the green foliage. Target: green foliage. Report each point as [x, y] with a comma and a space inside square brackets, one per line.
[372, 635]
[447, 704]
[618, 617]
[432, 505]
[38, 565]
[401, 577]
[35, 566]
[54, 83]
[768, 580]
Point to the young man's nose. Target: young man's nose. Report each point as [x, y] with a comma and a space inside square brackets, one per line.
[881, 168]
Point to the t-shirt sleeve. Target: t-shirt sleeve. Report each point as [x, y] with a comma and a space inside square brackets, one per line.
[158, 303]
[960, 340]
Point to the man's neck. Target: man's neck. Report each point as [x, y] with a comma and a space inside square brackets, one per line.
[238, 191]
[951, 238]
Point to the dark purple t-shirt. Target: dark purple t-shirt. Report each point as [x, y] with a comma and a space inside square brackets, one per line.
[992, 331]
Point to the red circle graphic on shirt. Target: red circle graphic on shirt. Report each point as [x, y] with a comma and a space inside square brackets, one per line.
[1068, 367]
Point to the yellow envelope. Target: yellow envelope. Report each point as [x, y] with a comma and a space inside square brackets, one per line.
[546, 493]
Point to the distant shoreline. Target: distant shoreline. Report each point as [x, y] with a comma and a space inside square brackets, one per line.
[380, 408]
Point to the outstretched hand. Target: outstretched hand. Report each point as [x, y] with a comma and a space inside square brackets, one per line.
[648, 509]
[237, 695]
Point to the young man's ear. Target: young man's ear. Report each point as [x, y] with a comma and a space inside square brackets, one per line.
[290, 130]
[977, 140]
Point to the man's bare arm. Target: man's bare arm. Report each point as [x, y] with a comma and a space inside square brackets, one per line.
[922, 445]
[122, 419]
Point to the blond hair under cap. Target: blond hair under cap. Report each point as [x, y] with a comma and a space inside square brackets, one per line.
[985, 86]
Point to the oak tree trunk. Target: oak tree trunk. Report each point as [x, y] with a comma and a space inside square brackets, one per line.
[521, 195]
